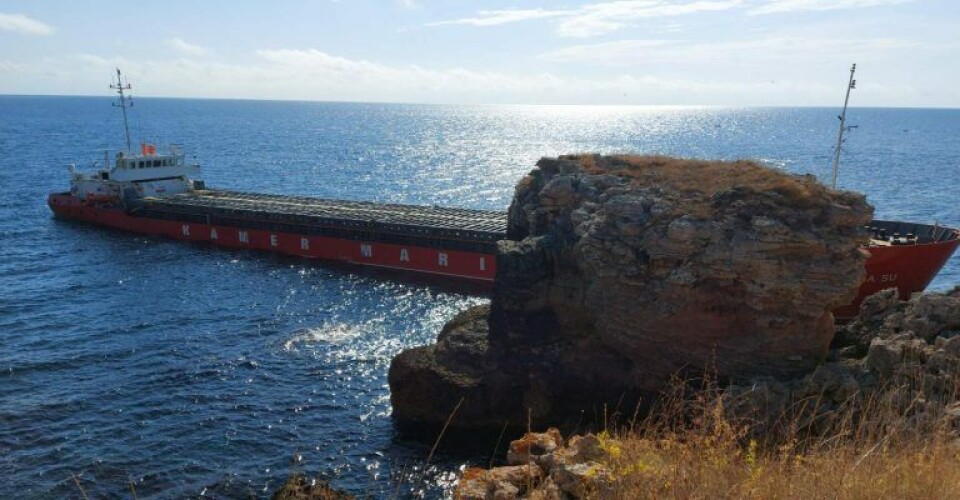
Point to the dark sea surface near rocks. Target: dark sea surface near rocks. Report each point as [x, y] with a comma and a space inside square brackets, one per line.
[188, 370]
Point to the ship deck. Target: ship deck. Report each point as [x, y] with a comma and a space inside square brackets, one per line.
[415, 220]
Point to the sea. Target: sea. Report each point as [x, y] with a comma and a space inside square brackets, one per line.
[136, 366]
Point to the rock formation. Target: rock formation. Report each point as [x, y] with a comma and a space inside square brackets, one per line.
[620, 272]
[542, 465]
[907, 353]
[300, 487]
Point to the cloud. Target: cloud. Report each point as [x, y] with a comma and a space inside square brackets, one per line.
[498, 17]
[601, 18]
[785, 6]
[311, 74]
[361, 77]
[316, 75]
[186, 47]
[23, 25]
[731, 53]
[596, 18]
[321, 74]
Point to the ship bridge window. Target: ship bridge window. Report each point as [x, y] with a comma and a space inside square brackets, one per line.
[141, 164]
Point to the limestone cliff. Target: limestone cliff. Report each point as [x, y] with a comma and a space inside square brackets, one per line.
[620, 272]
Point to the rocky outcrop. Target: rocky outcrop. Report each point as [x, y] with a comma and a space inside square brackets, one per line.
[620, 272]
[901, 357]
[893, 372]
[300, 487]
[543, 466]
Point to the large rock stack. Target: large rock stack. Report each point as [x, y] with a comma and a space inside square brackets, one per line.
[620, 272]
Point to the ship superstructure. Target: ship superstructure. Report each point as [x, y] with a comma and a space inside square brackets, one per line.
[133, 176]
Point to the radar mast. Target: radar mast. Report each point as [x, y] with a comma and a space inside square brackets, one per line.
[843, 121]
[123, 103]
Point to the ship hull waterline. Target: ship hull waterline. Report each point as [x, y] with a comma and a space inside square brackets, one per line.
[458, 264]
[909, 268]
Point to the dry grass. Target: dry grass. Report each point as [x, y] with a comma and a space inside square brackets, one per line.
[707, 177]
[867, 450]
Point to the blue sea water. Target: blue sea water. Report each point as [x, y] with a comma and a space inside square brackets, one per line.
[172, 370]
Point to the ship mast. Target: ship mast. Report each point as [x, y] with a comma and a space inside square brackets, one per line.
[124, 102]
[843, 120]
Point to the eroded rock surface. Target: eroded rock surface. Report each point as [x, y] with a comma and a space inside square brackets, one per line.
[905, 353]
[619, 272]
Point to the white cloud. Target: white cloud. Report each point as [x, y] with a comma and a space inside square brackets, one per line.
[785, 6]
[18, 23]
[498, 17]
[363, 79]
[601, 18]
[596, 18]
[186, 47]
[315, 75]
[312, 74]
[732, 53]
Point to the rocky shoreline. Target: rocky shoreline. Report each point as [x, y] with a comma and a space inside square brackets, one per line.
[696, 295]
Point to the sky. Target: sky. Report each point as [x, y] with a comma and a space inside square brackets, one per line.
[623, 52]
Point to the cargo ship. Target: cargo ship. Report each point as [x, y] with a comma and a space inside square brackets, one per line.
[160, 194]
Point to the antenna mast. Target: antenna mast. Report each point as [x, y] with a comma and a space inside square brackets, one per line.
[124, 102]
[843, 120]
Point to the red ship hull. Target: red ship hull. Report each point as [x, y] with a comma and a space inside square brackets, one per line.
[909, 268]
[475, 266]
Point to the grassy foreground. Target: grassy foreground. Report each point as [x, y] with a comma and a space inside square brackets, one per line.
[867, 449]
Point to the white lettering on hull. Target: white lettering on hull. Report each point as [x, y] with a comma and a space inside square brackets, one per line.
[186, 229]
[442, 259]
[273, 240]
[213, 233]
[483, 263]
[883, 278]
[366, 250]
[304, 244]
[404, 255]
[243, 237]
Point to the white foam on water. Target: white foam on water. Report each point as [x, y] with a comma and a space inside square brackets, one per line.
[339, 333]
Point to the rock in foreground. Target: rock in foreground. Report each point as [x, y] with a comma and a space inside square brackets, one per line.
[620, 272]
[300, 487]
[903, 356]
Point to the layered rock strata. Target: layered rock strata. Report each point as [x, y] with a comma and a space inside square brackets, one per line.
[620, 272]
